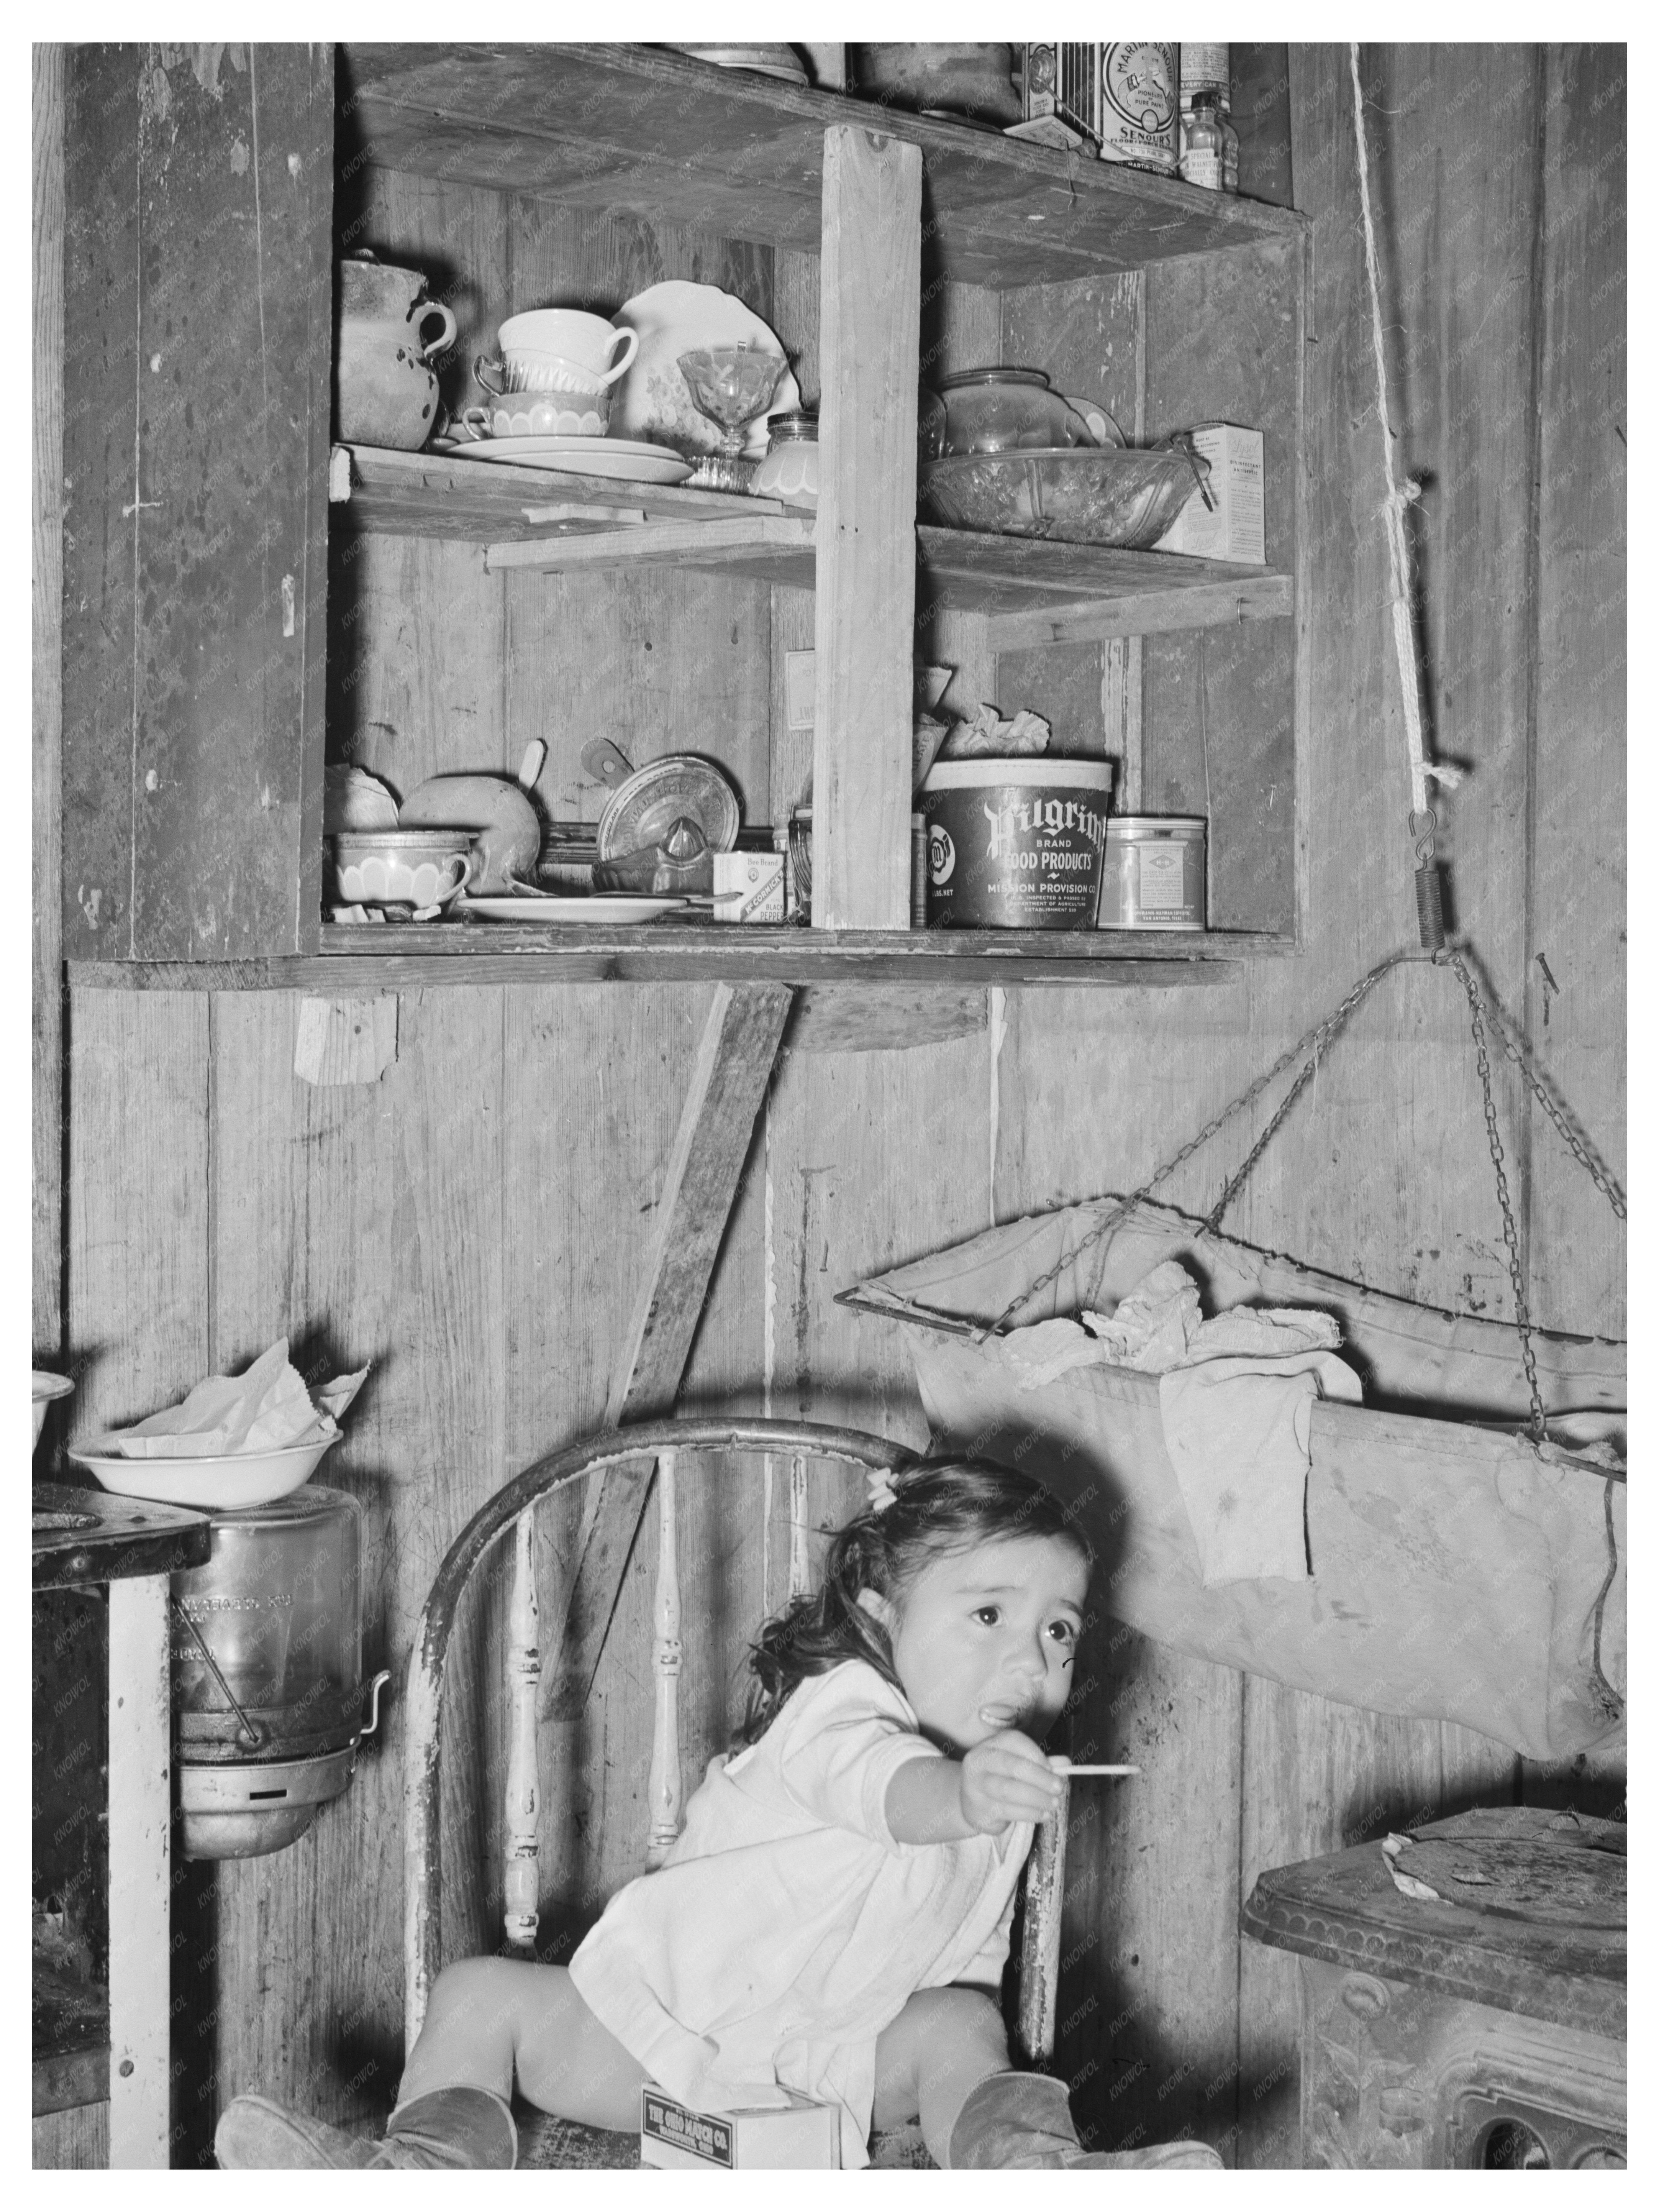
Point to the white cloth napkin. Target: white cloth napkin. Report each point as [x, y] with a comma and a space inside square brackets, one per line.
[1238, 1431]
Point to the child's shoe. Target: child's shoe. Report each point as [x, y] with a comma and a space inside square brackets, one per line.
[446, 2129]
[1014, 2121]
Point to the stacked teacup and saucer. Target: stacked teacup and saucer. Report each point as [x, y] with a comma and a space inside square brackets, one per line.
[549, 400]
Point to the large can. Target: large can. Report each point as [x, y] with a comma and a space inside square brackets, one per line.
[1154, 872]
[1139, 87]
[1015, 844]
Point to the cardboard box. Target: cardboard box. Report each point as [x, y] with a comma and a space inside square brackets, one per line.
[757, 880]
[1234, 531]
[774, 2136]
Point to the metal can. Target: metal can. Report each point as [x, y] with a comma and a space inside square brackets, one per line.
[1205, 68]
[1153, 876]
[1139, 87]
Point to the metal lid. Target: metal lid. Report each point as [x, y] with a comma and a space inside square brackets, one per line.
[799, 428]
[1155, 825]
[650, 803]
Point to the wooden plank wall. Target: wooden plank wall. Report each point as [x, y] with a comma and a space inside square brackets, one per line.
[474, 1223]
[1499, 174]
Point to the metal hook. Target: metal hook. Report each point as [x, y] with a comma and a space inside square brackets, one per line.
[1423, 836]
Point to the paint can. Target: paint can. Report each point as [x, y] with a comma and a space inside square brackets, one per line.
[1015, 843]
[1140, 88]
[1154, 872]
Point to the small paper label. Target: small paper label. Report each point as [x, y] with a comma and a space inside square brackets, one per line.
[1163, 879]
[800, 679]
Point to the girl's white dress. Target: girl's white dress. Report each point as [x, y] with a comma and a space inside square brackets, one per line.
[787, 1927]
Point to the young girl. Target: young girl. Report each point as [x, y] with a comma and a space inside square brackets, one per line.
[833, 1919]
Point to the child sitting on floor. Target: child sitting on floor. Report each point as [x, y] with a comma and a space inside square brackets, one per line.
[833, 1919]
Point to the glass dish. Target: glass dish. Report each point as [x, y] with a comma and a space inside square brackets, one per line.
[1079, 495]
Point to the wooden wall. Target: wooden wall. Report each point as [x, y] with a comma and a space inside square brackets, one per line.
[475, 1222]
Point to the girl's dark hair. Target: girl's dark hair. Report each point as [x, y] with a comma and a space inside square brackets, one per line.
[938, 1506]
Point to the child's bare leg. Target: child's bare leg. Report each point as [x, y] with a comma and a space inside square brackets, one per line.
[495, 2021]
[942, 2045]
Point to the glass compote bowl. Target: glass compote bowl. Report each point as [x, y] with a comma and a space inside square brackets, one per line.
[731, 385]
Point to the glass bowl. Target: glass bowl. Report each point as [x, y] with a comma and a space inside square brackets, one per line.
[1081, 496]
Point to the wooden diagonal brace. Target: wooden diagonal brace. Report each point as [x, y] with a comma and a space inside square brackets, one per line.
[733, 1067]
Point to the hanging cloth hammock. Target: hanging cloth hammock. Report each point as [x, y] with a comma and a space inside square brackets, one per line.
[1458, 1570]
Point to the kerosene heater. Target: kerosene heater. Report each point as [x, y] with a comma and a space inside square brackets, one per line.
[268, 1673]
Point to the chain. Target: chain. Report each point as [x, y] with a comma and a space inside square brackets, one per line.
[1213, 1220]
[1314, 1040]
[1523, 1323]
[1516, 1049]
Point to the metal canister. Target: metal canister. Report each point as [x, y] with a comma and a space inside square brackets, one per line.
[1154, 872]
[1205, 68]
[1139, 89]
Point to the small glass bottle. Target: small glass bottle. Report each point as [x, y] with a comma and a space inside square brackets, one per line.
[1204, 150]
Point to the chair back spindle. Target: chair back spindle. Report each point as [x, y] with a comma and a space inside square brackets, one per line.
[1039, 1955]
[799, 1577]
[665, 1792]
[521, 1867]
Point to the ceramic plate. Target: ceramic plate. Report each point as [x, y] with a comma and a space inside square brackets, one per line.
[587, 457]
[603, 907]
[652, 401]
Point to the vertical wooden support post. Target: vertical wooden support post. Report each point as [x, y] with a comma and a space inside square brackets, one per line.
[524, 1674]
[869, 335]
[1039, 1958]
[800, 1575]
[140, 1864]
[664, 1784]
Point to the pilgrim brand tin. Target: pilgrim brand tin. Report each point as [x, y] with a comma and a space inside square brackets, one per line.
[1154, 872]
[1015, 844]
[1139, 87]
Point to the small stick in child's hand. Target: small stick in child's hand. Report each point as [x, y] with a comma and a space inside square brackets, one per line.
[1064, 1766]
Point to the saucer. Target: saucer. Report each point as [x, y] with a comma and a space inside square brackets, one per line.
[633, 461]
[602, 907]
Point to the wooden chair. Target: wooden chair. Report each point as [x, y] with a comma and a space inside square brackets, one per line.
[544, 2141]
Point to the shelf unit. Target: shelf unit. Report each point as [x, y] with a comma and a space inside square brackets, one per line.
[884, 248]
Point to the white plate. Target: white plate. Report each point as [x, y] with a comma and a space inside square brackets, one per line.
[653, 400]
[634, 462]
[603, 907]
[206, 1485]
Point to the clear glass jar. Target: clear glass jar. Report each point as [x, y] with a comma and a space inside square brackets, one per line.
[790, 470]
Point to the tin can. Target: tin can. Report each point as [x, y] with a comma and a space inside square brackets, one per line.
[1139, 87]
[1205, 68]
[1153, 875]
[1016, 843]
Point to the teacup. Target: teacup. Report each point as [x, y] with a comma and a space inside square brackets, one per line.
[536, 415]
[564, 349]
[402, 867]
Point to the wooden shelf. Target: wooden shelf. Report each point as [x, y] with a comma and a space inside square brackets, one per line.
[445, 496]
[363, 957]
[634, 130]
[1037, 591]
